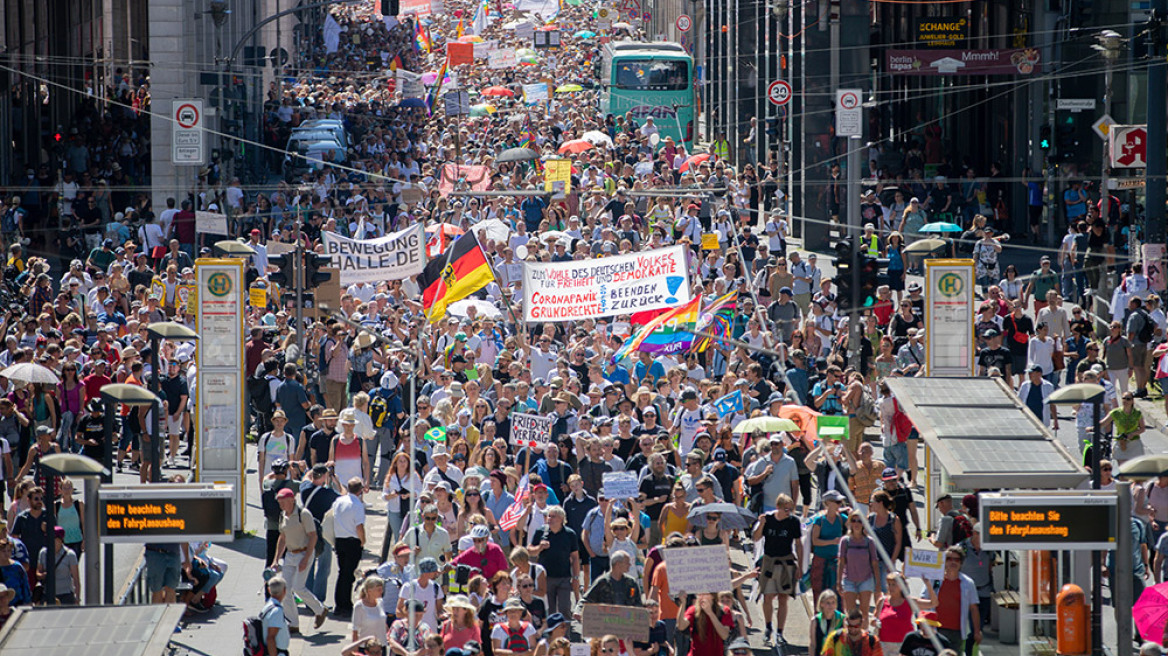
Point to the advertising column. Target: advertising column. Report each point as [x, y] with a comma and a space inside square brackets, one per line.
[221, 422]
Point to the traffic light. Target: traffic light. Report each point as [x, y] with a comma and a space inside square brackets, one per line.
[845, 258]
[772, 128]
[1044, 141]
[1067, 141]
[389, 8]
[285, 276]
[873, 273]
[313, 276]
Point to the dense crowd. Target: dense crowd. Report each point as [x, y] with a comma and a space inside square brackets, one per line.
[497, 548]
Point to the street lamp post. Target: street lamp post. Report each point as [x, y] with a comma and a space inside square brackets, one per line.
[1078, 394]
[159, 331]
[1110, 45]
[92, 471]
[111, 395]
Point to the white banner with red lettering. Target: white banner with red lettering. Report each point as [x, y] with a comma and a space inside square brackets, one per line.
[610, 286]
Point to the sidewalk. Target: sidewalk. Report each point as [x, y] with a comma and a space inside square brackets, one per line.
[220, 631]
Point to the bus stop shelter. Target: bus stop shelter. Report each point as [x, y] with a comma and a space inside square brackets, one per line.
[104, 630]
[983, 436]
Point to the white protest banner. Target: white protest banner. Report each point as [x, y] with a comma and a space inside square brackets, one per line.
[502, 59]
[483, 49]
[579, 649]
[398, 255]
[212, 223]
[525, 31]
[925, 563]
[410, 84]
[417, 8]
[620, 485]
[629, 622]
[529, 430]
[698, 569]
[588, 289]
[534, 93]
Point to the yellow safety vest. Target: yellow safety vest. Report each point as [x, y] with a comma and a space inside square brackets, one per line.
[721, 149]
[874, 247]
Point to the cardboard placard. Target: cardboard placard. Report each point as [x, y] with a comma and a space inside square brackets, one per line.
[459, 53]
[483, 49]
[534, 93]
[710, 241]
[698, 569]
[212, 223]
[924, 563]
[456, 103]
[620, 485]
[630, 622]
[527, 430]
[502, 59]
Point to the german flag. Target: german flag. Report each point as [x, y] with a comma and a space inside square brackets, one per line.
[456, 274]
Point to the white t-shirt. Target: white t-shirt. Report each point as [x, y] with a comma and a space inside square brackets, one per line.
[428, 595]
[368, 621]
[276, 446]
[499, 634]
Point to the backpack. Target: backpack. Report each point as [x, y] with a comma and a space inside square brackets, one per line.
[378, 410]
[866, 413]
[254, 636]
[962, 528]
[8, 222]
[516, 641]
[268, 500]
[261, 397]
[1147, 330]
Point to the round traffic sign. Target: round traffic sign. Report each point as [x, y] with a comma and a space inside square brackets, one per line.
[684, 23]
[779, 92]
[849, 100]
[187, 116]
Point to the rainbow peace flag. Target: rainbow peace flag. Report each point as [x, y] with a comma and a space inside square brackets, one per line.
[436, 91]
[422, 38]
[671, 332]
[717, 318]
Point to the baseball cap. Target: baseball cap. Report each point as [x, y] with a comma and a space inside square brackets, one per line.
[889, 474]
[285, 493]
[833, 495]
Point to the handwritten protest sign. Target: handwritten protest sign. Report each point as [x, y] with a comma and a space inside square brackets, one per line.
[529, 430]
[212, 223]
[580, 649]
[535, 93]
[698, 569]
[483, 49]
[924, 562]
[621, 621]
[620, 485]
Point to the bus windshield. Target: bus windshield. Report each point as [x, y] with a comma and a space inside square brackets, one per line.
[652, 74]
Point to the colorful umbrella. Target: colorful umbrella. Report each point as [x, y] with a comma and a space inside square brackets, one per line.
[569, 88]
[767, 424]
[585, 34]
[526, 52]
[529, 60]
[574, 146]
[1151, 611]
[470, 38]
[940, 226]
[805, 417]
[597, 138]
[498, 91]
[482, 110]
[694, 161]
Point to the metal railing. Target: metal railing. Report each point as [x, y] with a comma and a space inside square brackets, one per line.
[134, 590]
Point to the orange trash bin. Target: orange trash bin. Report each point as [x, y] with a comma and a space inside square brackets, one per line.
[1074, 621]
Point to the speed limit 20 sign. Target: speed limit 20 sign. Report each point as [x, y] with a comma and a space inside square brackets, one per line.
[684, 23]
[779, 92]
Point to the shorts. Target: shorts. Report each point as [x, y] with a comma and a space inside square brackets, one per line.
[779, 575]
[174, 426]
[867, 585]
[1139, 355]
[896, 456]
[162, 570]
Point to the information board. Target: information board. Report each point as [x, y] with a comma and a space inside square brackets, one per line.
[949, 320]
[1067, 521]
[220, 420]
[698, 569]
[165, 513]
[629, 622]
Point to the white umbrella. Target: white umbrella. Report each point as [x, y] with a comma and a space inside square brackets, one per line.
[482, 309]
[492, 229]
[597, 138]
[31, 373]
[553, 235]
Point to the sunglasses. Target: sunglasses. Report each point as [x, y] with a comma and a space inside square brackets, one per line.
[472, 494]
[526, 585]
[430, 519]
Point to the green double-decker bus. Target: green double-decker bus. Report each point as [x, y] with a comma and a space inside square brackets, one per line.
[650, 79]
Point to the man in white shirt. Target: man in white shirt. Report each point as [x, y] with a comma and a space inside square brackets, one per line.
[349, 528]
[260, 259]
[362, 291]
[167, 216]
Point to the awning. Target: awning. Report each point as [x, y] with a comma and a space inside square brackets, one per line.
[984, 436]
[105, 630]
